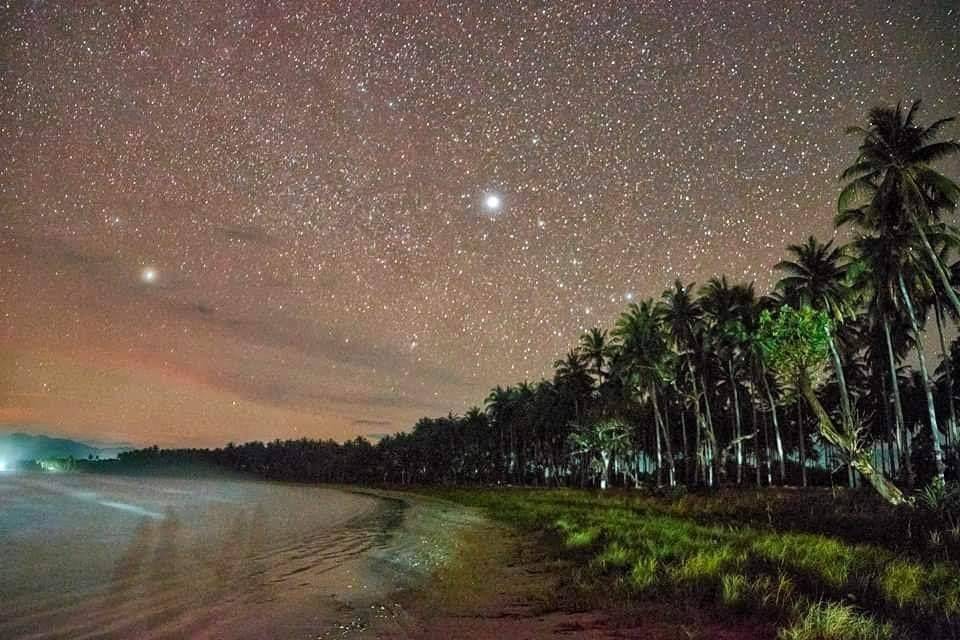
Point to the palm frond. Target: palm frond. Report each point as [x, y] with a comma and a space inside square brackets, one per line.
[854, 192]
[940, 186]
[860, 169]
[908, 121]
[930, 132]
[936, 151]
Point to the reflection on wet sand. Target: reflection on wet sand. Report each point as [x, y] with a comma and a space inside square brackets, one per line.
[229, 569]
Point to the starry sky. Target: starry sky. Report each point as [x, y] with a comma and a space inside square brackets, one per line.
[250, 220]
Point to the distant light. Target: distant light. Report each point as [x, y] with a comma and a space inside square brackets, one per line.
[492, 202]
[628, 296]
[149, 275]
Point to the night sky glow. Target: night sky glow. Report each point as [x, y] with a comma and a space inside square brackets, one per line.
[238, 220]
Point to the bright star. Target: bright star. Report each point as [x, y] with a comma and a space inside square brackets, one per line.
[149, 275]
[492, 202]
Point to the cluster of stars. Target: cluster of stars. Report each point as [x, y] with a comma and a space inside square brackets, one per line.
[304, 219]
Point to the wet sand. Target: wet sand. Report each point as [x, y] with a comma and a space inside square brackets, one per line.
[495, 585]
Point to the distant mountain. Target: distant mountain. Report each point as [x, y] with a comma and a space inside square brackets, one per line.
[24, 446]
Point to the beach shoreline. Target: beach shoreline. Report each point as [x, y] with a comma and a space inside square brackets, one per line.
[485, 580]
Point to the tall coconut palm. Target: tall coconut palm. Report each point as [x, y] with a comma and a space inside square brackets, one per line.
[572, 374]
[894, 171]
[875, 274]
[646, 361]
[914, 283]
[596, 348]
[683, 317]
[501, 407]
[726, 306]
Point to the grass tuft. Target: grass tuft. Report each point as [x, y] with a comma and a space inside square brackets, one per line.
[644, 574]
[835, 621]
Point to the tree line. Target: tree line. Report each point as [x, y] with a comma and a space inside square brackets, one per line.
[844, 372]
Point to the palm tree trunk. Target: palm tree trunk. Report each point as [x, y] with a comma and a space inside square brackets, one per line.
[711, 435]
[662, 428]
[656, 429]
[737, 426]
[756, 443]
[698, 417]
[766, 443]
[860, 458]
[686, 445]
[842, 382]
[803, 444]
[668, 440]
[927, 388]
[776, 426]
[899, 437]
[934, 258]
[952, 425]
[844, 398]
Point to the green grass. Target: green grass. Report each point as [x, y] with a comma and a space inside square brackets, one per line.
[817, 586]
[835, 621]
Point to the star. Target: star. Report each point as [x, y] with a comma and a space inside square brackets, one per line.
[492, 202]
[148, 275]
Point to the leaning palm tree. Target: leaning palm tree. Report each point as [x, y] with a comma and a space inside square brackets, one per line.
[894, 172]
[794, 342]
[816, 275]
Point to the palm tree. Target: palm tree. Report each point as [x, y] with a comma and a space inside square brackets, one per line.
[501, 406]
[602, 441]
[572, 374]
[596, 348]
[762, 380]
[893, 171]
[875, 274]
[646, 361]
[919, 281]
[727, 307]
[683, 317]
[817, 276]
[794, 343]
